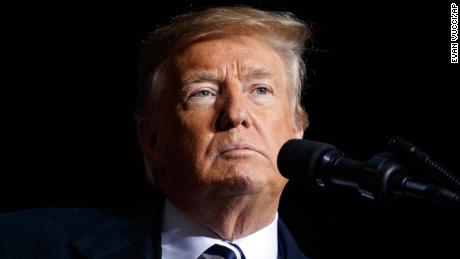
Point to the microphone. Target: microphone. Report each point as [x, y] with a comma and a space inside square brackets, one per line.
[322, 165]
[319, 164]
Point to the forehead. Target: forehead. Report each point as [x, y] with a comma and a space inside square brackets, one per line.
[235, 54]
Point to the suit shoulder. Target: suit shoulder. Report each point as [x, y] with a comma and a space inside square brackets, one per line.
[66, 217]
[41, 230]
[63, 223]
[53, 231]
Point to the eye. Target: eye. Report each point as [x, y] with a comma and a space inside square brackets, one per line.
[203, 93]
[262, 90]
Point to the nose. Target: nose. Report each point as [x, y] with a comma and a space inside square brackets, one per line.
[234, 109]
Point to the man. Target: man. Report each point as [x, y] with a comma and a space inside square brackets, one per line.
[219, 96]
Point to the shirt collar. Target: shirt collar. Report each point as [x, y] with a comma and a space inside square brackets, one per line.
[181, 237]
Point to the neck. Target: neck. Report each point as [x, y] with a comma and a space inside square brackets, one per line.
[234, 217]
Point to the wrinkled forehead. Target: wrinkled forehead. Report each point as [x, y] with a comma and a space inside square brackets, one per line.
[235, 56]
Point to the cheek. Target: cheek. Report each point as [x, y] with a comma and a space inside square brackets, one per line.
[192, 134]
[186, 146]
[195, 124]
[281, 121]
[279, 128]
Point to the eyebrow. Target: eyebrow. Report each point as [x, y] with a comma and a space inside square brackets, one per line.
[256, 73]
[200, 76]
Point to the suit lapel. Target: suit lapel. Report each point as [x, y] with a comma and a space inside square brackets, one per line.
[287, 246]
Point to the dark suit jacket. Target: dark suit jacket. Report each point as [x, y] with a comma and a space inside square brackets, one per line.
[95, 233]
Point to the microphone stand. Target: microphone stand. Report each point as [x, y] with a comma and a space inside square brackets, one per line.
[385, 179]
[413, 155]
[391, 182]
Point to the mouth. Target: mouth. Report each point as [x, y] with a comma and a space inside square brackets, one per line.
[238, 150]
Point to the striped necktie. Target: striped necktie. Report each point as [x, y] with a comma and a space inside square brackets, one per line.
[223, 252]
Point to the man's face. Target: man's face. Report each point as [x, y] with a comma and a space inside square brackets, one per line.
[224, 116]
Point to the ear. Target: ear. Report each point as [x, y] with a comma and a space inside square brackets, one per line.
[151, 148]
[301, 126]
[299, 133]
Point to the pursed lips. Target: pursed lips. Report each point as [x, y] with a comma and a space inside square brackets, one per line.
[237, 147]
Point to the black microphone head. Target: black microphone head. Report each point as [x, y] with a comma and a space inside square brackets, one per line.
[298, 158]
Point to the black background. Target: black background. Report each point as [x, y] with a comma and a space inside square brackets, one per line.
[378, 70]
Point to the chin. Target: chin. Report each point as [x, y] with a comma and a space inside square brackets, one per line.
[243, 180]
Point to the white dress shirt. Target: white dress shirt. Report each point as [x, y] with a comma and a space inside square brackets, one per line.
[183, 238]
